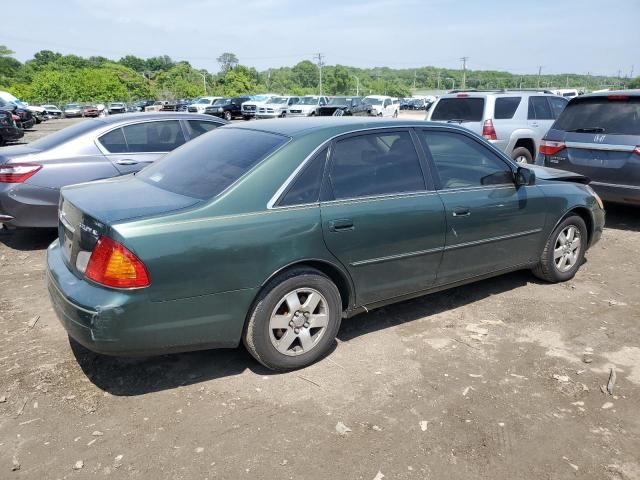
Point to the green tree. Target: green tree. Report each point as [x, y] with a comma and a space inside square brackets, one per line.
[237, 81]
[306, 74]
[227, 61]
[635, 83]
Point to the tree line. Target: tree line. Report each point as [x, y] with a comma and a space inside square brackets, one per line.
[53, 77]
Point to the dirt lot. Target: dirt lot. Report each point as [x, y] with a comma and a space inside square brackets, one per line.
[496, 380]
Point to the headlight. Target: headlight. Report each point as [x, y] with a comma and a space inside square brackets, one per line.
[220, 109]
[595, 195]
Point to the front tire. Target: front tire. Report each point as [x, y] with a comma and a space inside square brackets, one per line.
[227, 116]
[294, 320]
[563, 253]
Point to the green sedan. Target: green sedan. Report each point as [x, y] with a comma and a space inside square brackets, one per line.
[272, 232]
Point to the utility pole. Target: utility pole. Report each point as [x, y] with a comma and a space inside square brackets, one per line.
[464, 72]
[204, 81]
[357, 85]
[320, 65]
[539, 73]
[438, 79]
[415, 74]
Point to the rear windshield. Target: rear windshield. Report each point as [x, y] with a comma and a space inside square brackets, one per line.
[206, 166]
[61, 136]
[600, 115]
[459, 109]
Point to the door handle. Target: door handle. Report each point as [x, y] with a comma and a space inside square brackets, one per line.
[341, 225]
[462, 212]
[126, 162]
[535, 124]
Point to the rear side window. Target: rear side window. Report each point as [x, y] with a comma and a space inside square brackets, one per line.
[601, 115]
[198, 127]
[306, 188]
[539, 109]
[375, 164]
[114, 141]
[154, 136]
[206, 166]
[558, 105]
[506, 107]
[463, 109]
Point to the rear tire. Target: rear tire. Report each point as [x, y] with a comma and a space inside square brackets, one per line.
[522, 155]
[227, 116]
[294, 320]
[563, 253]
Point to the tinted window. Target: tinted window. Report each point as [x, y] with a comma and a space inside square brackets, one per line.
[375, 164]
[539, 109]
[198, 127]
[114, 141]
[462, 162]
[306, 188]
[465, 109]
[154, 136]
[506, 107]
[207, 165]
[603, 115]
[557, 105]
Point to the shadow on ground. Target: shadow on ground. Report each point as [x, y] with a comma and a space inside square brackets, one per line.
[28, 239]
[623, 217]
[138, 376]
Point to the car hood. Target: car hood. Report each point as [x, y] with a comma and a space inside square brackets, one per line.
[129, 197]
[546, 173]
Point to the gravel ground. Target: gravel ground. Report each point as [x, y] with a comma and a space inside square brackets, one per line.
[501, 379]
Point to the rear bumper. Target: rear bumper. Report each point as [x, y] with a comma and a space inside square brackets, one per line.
[128, 323]
[11, 133]
[616, 193]
[28, 205]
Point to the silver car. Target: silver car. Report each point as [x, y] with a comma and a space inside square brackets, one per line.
[513, 120]
[31, 175]
[308, 106]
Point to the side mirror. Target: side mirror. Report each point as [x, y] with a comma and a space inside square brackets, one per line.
[524, 176]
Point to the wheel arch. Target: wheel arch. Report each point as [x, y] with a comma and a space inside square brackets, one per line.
[585, 214]
[338, 276]
[527, 143]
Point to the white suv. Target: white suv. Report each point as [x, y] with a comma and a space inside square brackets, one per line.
[513, 120]
[307, 106]
[382, 106]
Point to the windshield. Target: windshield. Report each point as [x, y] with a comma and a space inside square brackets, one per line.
[221, 101]
[339, 101]
[459, 109]
[206, 166]
[308, 101]
[601, 115]
[72, 105]
[372, 101]
[50, 106]
[278, 100]
[61, 136]
[204, 100]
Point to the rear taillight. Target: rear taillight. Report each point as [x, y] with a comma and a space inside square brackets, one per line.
[113, 265]
[17, 172]
[548, 147]
[488, 131]
[618, 98]
[15, 117]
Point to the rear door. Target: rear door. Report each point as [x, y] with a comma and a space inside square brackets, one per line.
[600, 136]
[463, 109]
[132, 147]
[540, 116]
[379, 217]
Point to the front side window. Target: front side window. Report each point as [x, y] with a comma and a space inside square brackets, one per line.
[154, 136]
[206, 166]
[387, 102]
[462, 162]
[539, 109]
[375, 164]
[558, 104]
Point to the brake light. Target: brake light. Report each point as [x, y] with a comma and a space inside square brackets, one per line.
[637, 150]
[113, 265]
[619, 98]
[488, 131]
[548, 147]
[462, 95]
[17, 172]
[15, 117]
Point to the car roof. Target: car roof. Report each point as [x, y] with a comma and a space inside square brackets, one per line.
[296, 127]
[136, 116]
[631, 93]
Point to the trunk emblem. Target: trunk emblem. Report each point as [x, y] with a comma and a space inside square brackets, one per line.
[599, 138]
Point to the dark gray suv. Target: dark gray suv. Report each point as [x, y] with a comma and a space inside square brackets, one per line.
[598, 135]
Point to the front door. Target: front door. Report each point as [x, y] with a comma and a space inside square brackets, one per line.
[378, 216]
[492, 225]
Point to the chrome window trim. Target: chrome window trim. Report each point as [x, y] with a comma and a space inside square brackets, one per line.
[379, 197]
[600, 146]
[614, 185]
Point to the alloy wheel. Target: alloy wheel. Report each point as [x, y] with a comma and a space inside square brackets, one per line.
[299, 321]
[567, 248]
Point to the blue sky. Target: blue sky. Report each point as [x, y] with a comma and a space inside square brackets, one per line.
[517, 36]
